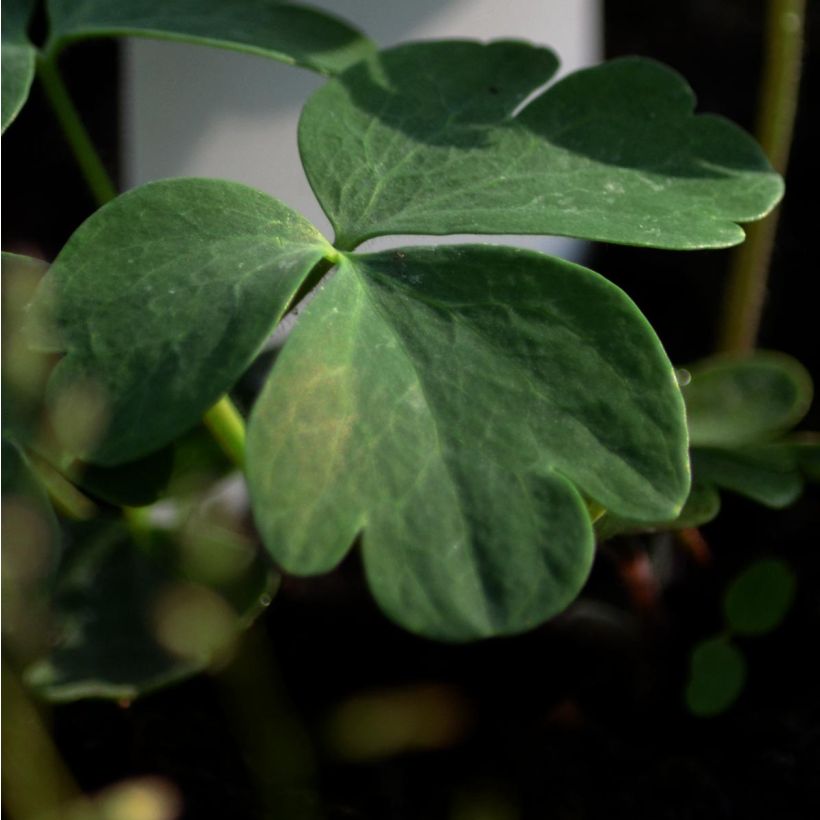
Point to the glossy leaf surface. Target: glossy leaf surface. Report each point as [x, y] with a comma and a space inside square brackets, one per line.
[739, 401]
[759, 598]
[289, 32]
[159, 301]
[18, 58]
[456, 405]
[427, 138]
[131, 618]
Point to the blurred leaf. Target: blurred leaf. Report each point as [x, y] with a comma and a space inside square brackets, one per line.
[470, 397]
[380, 724]
[739, 401]
[31, 550]
[20, 480]
[433, 136]
[160, 301]
[131, 617]
[289, 32]
[765, 473]
[807, 451]
[759, 598]
[717, 675]
[18, 58]
[25, 371]
[702, 505]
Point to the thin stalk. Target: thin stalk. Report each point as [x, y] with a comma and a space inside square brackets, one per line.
[228, 429]
[76, 135]
[64, 495]
[36, 782]
[749, 268]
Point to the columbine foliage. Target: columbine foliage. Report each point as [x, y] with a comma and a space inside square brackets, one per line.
[467, 412]
[428, 139]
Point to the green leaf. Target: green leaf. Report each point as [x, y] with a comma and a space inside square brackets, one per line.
[767, 473]
[130, 618]
[716, 678]
[18, 58]
[471, 399]
[427, 138]
[289, 32]
[737, 401]
[160, 300]
[759, 598]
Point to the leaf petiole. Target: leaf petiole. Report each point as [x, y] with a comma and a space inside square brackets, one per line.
[93, 170]
[228, 429]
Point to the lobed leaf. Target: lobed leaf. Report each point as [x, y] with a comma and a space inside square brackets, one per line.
[160, 300]
[471, 399]
[738, 401]
[430, 138]
[18, 58]
[288, 32]
[131, 619]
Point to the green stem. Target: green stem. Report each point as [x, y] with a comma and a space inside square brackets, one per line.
[749, 268]
[64, 495]
[36, 782]
[85, 153]
[228, 428]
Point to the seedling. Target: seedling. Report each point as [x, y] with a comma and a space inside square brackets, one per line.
[472, 417]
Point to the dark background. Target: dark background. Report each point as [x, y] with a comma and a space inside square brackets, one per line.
[585, 717]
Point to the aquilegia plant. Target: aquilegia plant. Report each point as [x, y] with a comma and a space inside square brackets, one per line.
[468, 415]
